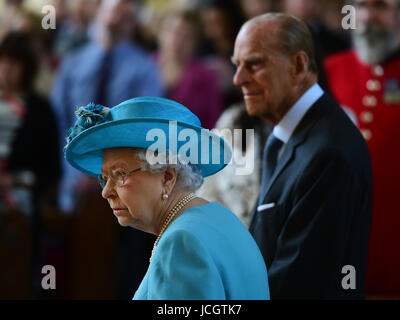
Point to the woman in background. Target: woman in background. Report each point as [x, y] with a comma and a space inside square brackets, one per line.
[186, 78]
[29, 162]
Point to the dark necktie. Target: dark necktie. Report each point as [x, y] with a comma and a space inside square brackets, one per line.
[270, 159]
[104, 76]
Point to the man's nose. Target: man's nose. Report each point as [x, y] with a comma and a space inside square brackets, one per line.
[241, 76]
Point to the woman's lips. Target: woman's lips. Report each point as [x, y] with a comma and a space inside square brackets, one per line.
[117, 210]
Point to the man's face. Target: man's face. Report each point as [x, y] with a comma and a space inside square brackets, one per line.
[377, 30]
[383, 13]
[262, 73]
[118, 16]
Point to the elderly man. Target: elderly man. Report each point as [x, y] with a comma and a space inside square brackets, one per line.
[366, 82]
[312, 218]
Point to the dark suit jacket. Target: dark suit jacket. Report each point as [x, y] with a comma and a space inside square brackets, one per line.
[321, 219]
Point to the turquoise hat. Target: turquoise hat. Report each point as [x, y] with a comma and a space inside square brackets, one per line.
[153, 123]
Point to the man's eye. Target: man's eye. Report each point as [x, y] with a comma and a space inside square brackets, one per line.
[255, 65]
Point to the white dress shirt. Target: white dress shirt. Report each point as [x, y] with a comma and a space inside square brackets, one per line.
[285, 128]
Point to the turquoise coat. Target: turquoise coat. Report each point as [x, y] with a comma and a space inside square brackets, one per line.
[205, 253]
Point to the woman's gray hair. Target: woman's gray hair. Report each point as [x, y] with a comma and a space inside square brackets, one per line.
[187, 176]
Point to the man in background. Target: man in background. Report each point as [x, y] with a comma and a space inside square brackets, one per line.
[366, 82]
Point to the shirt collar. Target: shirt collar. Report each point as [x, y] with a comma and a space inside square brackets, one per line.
[284, 129]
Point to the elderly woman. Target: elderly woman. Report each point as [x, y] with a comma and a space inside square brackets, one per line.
[150, 155]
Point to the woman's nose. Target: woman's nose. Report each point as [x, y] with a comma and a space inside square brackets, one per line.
[108, 189]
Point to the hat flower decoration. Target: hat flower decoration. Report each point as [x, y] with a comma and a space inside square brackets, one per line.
[88, 116]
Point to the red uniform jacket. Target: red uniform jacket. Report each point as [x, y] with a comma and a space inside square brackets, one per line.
[371, 94]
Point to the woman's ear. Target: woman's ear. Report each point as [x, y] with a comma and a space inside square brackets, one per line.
[169, 179]
[300, 66]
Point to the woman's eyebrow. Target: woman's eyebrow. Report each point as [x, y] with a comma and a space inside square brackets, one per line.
[116, 165]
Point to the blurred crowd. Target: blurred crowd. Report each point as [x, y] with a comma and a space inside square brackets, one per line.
[107, 51]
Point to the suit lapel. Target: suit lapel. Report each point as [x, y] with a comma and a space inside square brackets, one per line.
[298, 137]
[285, 159]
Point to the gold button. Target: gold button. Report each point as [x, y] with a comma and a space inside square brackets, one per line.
[378, 71]
[366, 117]
[369, 101]
[367, 134]
[373, 85]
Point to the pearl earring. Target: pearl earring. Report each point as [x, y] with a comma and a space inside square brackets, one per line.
[165, 196]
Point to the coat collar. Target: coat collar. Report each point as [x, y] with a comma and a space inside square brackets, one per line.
[298, 137]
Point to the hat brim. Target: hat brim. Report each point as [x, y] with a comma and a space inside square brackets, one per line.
[210, 152]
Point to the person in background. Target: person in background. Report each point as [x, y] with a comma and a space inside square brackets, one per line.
[73, 31]
[29, 161]
[311, 11]
[221, 21]
[366, 82]
[238, 192]
[313, 213]
[17, 16]
[185, 77]
[107, 70]
[153, 13]
[13, 17]
[253, 8]
[110, 69]
[326, 42]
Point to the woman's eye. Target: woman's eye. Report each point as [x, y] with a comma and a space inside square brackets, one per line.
[119, 173]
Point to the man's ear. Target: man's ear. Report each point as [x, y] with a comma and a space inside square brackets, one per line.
[169, 179]
[300, 66]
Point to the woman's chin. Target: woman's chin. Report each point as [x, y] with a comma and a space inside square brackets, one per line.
[124, 221]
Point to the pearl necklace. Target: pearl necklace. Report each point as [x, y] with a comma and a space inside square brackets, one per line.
[180, 204]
